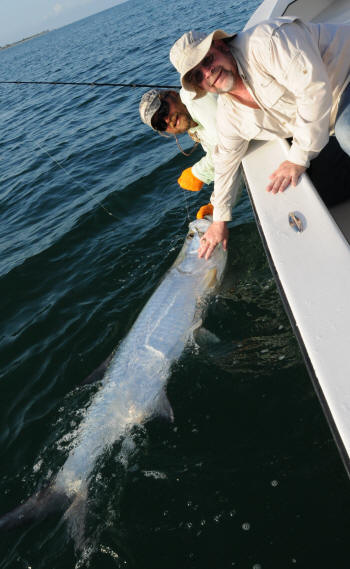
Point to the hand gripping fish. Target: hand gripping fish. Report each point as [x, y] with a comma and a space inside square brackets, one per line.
[133, 387]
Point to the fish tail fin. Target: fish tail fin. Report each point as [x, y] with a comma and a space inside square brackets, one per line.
[36, 508]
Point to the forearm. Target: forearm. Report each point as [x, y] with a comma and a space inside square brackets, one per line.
[204, 169]
[308, 141]
[227, 190]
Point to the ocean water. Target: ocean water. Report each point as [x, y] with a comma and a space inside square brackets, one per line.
[248, 475]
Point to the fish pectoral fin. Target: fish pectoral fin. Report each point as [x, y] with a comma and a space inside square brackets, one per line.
[163, 407]
[204, 337]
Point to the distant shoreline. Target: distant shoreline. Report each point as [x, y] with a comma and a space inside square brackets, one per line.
[24, 39]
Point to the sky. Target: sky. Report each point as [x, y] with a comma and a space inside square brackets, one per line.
[22, 18]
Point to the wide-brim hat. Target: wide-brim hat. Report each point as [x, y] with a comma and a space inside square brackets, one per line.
[189, 50]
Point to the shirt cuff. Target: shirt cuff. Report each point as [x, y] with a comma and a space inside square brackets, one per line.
[299, 156]
[222, 214]
[204, 177]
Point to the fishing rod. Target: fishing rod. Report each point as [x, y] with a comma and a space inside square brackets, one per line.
[92, 84]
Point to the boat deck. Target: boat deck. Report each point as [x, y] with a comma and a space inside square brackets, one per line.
[330, 174]
[341, 214]
[337, 12]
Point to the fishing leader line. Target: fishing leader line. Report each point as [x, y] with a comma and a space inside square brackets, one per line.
[78, 183]
[88, 191]
[197, 141]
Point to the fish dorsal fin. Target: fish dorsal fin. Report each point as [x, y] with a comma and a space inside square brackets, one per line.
[204, 337]
[163, 407]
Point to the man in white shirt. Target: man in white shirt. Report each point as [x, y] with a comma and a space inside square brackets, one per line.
[282, 78]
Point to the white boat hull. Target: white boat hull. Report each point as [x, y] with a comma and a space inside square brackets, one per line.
[312, 267]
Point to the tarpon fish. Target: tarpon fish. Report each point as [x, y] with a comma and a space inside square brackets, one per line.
[133, 387]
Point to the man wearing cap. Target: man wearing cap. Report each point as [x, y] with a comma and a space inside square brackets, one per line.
[177, 113]
[283, 78]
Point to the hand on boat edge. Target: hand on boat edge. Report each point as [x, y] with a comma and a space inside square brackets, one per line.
[287, 173]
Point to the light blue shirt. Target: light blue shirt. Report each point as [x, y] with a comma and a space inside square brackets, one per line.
[203, 112]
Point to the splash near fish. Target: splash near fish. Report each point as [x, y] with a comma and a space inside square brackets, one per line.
[133, 387]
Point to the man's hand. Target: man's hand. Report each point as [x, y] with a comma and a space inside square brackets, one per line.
[216, 233]
[286, 173]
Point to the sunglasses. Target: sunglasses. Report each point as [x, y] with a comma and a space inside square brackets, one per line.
[196, 76]
[158, 119]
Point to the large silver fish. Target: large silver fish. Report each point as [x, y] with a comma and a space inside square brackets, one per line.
[134, 383]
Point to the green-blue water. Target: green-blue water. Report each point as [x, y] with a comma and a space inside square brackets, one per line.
[248, 475]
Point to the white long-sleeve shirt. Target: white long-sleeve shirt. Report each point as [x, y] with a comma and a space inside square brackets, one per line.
[203, 112]
[296, 72]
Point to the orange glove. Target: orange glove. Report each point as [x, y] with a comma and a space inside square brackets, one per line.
[205, 210]
[188, 181]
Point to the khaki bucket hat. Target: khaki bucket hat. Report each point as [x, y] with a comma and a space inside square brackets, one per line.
[189, 50]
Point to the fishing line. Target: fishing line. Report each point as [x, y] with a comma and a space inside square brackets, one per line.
[92, 84]
[186, 204]
[95, 84]
[78, 183]
[187, 154]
